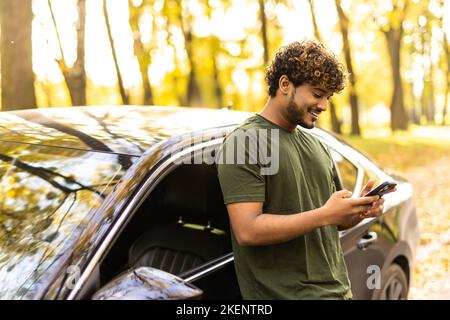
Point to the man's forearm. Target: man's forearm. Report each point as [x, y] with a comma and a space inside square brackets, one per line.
[276, 228]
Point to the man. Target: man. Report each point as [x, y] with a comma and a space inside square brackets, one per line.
[285, 224]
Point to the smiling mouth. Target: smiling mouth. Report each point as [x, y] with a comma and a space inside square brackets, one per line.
[315, 115]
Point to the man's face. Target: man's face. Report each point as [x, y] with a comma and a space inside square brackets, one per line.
[305, 104]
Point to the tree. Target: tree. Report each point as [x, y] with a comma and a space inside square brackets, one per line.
[344, 24]
[142, 54]
[194, 96]
[263, 18]
[215, 49]
[123, 92]
[17, 75]
[167, 11]
[393, 32]
[218, 92]
[75, 76]
[335, 122]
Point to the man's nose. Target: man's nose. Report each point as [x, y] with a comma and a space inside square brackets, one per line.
[323, 104]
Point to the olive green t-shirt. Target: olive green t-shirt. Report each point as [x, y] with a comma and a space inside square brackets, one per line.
[311, 266]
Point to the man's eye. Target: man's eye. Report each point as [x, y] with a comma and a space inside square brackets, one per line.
[317, 95]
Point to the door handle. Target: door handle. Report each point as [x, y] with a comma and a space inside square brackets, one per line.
[367, 240]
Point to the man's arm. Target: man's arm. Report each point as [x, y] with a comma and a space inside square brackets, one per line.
[253, 227]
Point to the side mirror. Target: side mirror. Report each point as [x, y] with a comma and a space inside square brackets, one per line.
[147, 283]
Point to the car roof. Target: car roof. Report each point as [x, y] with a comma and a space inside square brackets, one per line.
[127, 130]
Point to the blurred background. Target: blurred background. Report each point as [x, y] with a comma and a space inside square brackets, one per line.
[213, 54]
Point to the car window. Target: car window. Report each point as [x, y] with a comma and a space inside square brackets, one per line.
[347, 171]
[47, 196]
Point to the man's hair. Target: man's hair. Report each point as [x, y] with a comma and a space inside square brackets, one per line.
[306, 62]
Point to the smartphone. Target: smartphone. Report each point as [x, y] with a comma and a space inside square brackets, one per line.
[382, 189]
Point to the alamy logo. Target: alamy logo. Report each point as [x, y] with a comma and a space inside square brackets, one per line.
[253, 147]
[259, 147]
[374, 280]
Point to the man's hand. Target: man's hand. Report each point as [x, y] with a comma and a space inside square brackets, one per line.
[376, 208]
[341, 209]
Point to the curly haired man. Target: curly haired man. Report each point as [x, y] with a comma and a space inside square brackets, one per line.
[285, 224]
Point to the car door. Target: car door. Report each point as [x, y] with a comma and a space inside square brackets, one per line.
[361, 244]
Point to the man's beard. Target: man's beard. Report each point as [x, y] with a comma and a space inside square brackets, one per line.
[298, 114]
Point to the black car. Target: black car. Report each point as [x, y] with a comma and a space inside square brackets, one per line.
[96, 201]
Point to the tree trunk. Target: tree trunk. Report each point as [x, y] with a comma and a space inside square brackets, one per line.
[177, 77]
[193, 90]
[142, 55]
[75, 77]
[17, 77]
[217, 88]
[314, 20]
[335, 122]
[399, 119]
[343, 23]
[214, 49]
[263, 18]
[79, 71]
[123, 93]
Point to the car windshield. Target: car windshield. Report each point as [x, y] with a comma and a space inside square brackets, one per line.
[47, 197]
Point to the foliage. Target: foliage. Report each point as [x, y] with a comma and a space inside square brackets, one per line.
[222, 42]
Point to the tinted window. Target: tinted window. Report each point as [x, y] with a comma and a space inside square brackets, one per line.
[47, 196]
[346, 170]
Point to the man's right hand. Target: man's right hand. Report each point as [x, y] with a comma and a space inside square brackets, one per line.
[340, 208]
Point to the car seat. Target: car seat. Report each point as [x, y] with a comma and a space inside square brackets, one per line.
[193, 222]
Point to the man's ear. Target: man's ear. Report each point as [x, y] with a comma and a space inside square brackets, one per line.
[284, 84]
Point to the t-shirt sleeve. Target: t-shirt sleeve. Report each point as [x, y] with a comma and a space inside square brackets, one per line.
[240, 182]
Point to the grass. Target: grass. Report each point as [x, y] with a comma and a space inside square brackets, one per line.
[404, 150]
